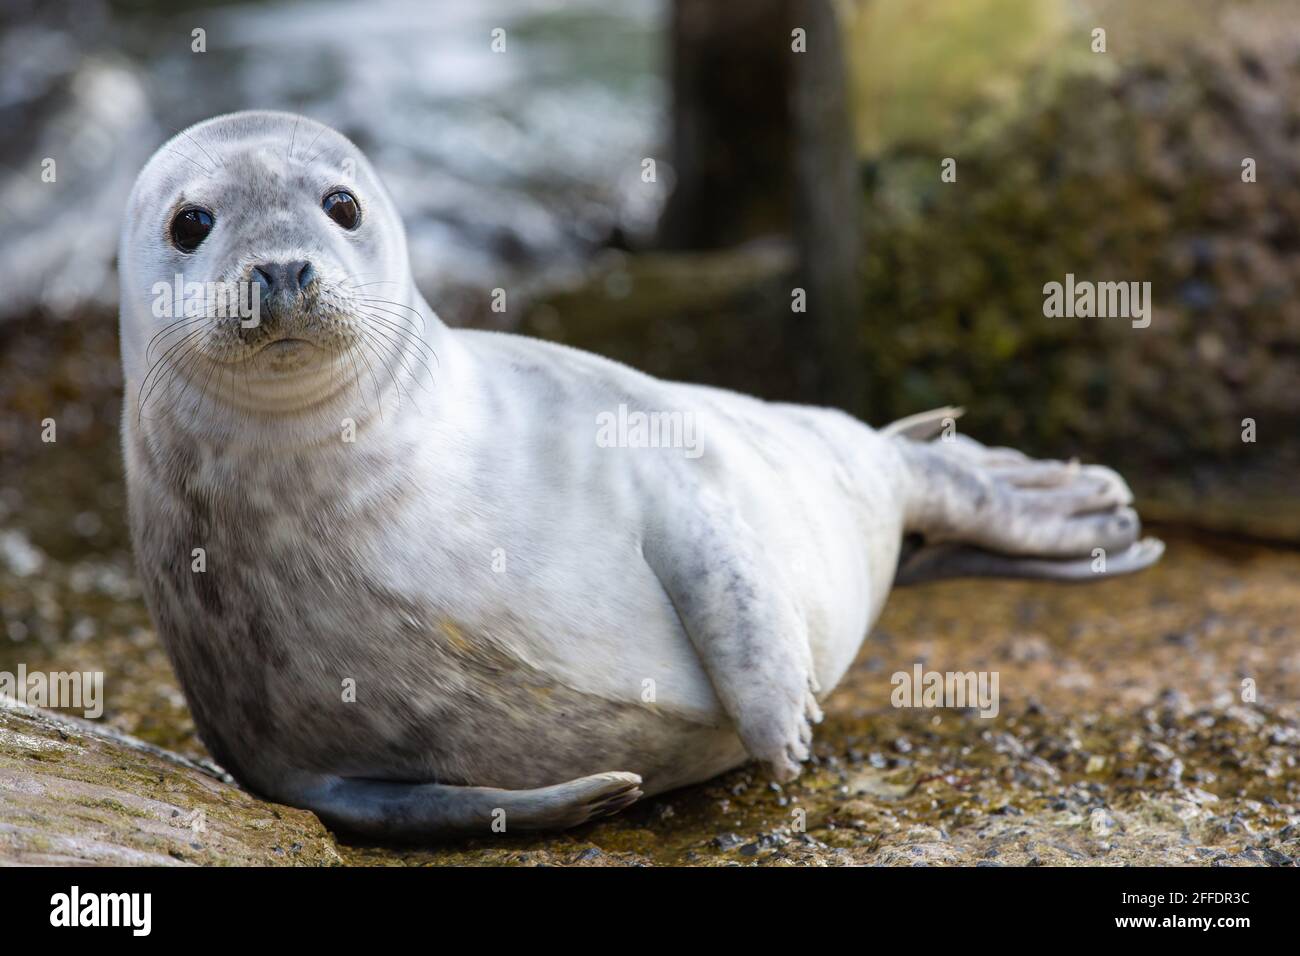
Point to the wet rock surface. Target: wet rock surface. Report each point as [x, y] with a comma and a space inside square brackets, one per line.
[73, 794]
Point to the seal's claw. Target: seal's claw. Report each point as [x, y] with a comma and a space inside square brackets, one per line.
[813, 710]
[615, 804]
[586, 798]
[781, 741]
[784, 770]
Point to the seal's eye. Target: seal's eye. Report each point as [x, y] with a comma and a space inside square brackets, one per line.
[190, 227]
[341, 206]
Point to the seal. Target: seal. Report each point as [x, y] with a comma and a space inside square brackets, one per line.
[424, 581]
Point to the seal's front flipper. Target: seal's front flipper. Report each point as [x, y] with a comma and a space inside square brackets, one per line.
[750, 637]
[1015, 516]
[939, 561]
[420, 811]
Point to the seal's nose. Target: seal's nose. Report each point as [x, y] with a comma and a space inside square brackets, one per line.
[283, 279]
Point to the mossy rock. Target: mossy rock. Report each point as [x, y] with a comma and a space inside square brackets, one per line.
[1130, 172]
[1135, 177]
[74, 793]
[1130, 175]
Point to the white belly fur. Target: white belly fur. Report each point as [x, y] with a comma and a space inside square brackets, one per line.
[525, 482]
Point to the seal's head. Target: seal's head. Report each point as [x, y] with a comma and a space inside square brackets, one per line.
[260, 261]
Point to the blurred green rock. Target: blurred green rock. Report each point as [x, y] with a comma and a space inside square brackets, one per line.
[1127, 170]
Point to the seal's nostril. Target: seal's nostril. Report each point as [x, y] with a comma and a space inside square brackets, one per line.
[283, 278]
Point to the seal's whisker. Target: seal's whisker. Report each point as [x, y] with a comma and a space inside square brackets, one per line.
[374, 381]
[156, 370]
[421, 353]
[375, 282]
[203, 393]
[201, 168]
[375, 303]
[182, 366]
[177, 366]
[167, 377]
[401, 341]
[350, 352]
[402, 354]
[215, 163]
[315, 140]
[336, 355]
[351, 284]
[419, 342]
[320, 152]
[416, 340]
[398, 305]
[416, 371]
[379, 356]
[336, 369]
[168, 329]
[398, 319]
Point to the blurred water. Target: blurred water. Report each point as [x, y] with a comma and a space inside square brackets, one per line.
[507, 166]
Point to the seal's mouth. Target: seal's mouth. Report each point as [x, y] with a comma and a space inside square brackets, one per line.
[286, 344]
[283, 354]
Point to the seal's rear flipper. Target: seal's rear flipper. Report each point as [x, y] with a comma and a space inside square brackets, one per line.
[977, 511]
[936, 562]
[391, 810]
